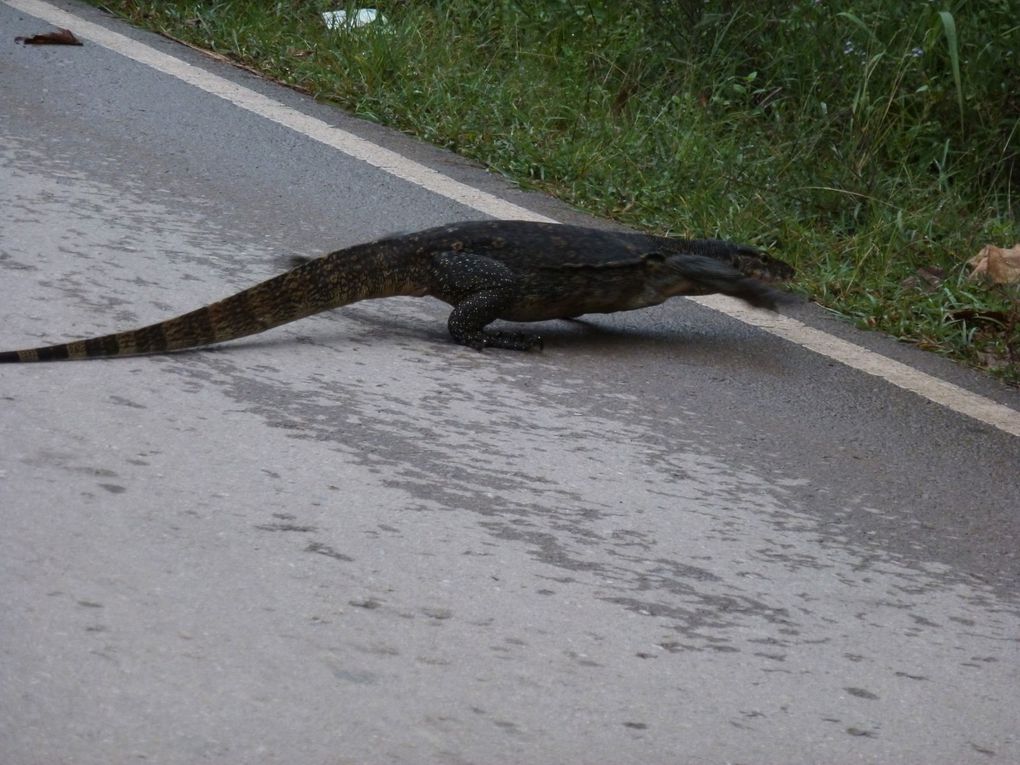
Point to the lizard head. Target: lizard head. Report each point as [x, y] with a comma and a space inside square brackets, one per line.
[748, 260]
[760, 265]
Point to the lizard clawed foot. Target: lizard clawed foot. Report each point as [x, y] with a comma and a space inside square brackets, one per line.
[511, 341]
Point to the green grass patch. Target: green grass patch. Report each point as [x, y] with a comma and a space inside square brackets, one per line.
[876, 150]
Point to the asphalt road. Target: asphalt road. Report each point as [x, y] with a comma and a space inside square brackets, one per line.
[669, 538]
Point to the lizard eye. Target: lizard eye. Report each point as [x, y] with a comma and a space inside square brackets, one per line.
[654, 257]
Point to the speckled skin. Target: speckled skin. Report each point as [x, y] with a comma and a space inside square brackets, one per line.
[486, 270]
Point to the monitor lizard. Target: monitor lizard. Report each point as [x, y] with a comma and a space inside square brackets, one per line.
[487, 270]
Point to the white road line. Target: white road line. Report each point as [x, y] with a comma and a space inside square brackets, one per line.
[946, 394]
[901, 375]
[348, 143]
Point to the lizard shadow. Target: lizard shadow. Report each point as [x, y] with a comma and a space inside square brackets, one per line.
[716, 345]
[702, 344]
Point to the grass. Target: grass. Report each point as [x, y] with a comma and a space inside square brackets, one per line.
[876, 150]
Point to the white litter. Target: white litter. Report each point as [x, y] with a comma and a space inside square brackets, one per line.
[360, 18]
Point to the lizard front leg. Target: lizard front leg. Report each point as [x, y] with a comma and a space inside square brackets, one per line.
[469, 317]
[480, 290]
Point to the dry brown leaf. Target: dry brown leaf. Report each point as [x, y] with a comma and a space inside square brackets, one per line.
[997, 265]
[60, 37]
[992, 360]
[927, 278]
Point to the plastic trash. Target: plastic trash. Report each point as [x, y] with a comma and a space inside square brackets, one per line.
[360, 18]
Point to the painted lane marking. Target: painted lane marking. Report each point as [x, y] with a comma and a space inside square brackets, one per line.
[854, 356]
[920, 383]
[384, 159]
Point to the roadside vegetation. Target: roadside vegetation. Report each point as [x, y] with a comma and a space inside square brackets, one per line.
[875, 146]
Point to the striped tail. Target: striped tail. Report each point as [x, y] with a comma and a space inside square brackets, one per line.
[335, 280]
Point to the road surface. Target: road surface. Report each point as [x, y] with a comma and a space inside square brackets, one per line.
[669, 538]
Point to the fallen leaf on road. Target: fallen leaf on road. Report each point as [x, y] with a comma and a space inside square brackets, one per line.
[996, 264]
[60, 37]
